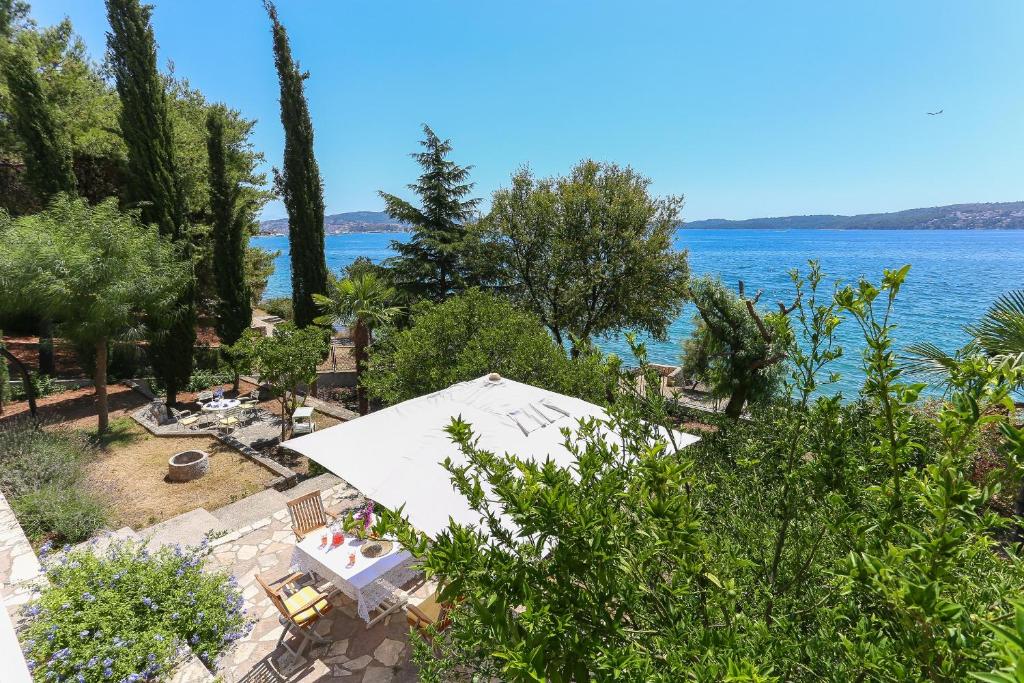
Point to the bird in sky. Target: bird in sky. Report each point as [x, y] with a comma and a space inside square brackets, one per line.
[934, 113]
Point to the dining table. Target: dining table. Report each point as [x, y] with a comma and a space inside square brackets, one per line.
[374, 583]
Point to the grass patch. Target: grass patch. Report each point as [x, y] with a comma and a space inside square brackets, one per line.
[121, 432]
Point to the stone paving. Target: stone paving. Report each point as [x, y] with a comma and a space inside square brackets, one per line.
[19, 567]
[355, 654]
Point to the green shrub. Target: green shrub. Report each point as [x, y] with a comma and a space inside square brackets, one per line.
[44, 385]
[66, 513]
[280, 306]
[122, 615]
[40, 471]
[204, 379]
[470, 335]
[31, 458]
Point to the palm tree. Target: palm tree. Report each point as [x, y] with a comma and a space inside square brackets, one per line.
[999, 333]
[362, 302]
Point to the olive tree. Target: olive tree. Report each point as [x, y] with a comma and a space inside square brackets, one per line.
[589, 253]
[96, 269]
[735, 349]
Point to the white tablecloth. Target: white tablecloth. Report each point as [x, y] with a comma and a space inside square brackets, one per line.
[219, 405]
[370, 581]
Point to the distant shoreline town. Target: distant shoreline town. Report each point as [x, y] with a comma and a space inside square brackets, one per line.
[981, 216]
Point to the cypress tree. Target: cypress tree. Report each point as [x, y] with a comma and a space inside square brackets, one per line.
[154, 183]
[47, 160]
[299, 181]
[48, 167]
[431, 264]
[231, 222]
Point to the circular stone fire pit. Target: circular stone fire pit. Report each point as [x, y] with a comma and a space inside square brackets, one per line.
[187, 465]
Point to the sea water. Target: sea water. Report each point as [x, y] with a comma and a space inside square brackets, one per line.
[955, 276]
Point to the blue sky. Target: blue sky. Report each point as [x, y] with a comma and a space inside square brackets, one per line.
[748, 108]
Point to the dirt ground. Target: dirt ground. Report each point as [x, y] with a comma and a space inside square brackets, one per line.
[26, 349]
[129, 477]
[77, 408]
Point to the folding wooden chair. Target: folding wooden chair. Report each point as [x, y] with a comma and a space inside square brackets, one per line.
[428, 613]
[300, 608]
[308, 514]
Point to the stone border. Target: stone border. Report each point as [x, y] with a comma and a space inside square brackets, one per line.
[286, 477]
[343, 414]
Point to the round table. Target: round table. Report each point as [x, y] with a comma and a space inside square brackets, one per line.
[220, 405]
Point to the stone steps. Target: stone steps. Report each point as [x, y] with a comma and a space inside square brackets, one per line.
[103, 540]
[189, 528]
[321, 482]
[251, 509]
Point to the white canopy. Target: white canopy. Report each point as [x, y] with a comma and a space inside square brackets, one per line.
[394, 456]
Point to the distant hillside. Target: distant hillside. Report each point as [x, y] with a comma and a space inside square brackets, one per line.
[338, 223]
[992, 216]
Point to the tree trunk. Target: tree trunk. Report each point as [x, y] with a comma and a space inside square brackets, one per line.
[361, 339]
[738, 399]
[100, 380]
[46, 363]
[26, 378]
[172, 396]
[284, 415]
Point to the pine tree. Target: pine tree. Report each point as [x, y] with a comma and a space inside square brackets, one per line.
[231, 224]
[154, 183]
[431, 264]
[47, 159]
[299, 182]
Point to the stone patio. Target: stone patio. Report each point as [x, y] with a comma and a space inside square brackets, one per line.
[356, 654]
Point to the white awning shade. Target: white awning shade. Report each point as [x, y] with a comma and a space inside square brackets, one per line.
[394, 456]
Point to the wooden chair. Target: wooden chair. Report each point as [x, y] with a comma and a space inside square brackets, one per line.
[428, 613]
[308, 514]
[300, 608]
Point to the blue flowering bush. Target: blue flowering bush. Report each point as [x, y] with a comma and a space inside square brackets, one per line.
[123, 616]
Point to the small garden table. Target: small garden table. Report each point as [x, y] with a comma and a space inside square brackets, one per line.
[219, 406]
[374, 583]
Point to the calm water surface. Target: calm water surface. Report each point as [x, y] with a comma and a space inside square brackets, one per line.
[955, 275]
